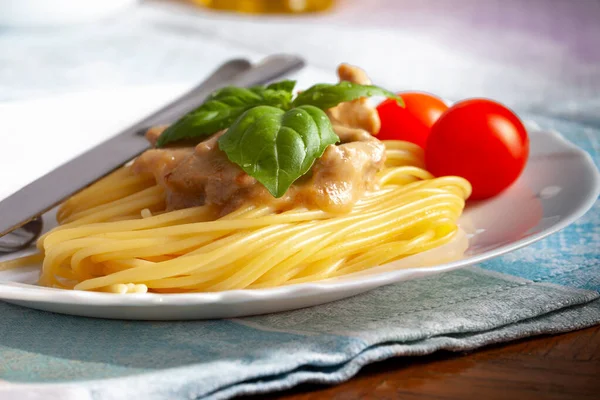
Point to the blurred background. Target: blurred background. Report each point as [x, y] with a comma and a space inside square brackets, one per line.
[537, 56]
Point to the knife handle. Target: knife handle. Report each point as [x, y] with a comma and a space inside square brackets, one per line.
[193, 98]
[238, 72]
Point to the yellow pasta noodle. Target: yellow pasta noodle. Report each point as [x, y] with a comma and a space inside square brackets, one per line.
[116, 235]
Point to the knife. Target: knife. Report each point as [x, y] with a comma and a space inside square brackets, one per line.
[56, 186]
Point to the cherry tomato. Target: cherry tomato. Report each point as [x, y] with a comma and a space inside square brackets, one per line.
[480, 140]
[413, 122]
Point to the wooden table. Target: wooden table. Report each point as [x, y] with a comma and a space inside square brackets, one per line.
[563, 366]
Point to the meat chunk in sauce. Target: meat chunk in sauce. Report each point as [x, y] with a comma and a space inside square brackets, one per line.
[358, 113]
[194, 176]
[200, 175]
[344, 173]
[351, 73]
[208, 177]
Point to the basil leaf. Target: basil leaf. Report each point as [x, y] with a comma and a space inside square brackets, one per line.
[285, 85]
[278, 147]
[277, 98]
[220, 110]
[235, 93]
[277, 94]
[325, 95]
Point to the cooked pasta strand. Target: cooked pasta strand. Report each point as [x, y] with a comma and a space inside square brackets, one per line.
[116, 236]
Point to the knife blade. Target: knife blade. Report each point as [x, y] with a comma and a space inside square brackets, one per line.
[78, 173]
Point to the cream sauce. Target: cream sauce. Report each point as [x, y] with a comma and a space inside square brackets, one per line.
[194, 176]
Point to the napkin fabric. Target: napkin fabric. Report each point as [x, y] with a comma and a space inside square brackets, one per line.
[552, 286]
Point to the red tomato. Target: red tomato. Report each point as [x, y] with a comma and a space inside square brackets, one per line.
[413, 122]
[482, 141]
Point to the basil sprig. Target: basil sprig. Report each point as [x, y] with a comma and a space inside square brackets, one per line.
[277, 147]
[324, 95]
[285, 85]
[225, 105]
[270, 135]
[222, 108]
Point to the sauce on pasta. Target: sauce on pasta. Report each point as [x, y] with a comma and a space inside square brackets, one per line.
[184, 218]
[203, 175]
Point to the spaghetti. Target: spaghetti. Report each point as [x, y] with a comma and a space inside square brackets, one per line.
[116, 235]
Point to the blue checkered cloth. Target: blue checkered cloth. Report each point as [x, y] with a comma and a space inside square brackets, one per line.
[552, 286]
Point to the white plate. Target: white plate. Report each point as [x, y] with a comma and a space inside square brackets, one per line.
[559, 184]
